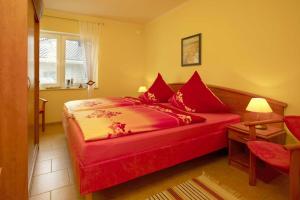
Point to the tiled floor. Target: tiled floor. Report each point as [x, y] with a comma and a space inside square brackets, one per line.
[53, 177]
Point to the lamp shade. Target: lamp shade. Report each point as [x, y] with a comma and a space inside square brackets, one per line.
[142, 89]
[259, 105]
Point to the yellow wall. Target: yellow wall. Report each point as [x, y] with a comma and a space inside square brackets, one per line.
[121, 67]
[248, 45]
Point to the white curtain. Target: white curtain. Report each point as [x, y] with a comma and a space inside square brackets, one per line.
[90, 38]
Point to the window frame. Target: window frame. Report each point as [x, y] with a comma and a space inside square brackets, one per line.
[61, 55]
[58, 54]
[63, 60]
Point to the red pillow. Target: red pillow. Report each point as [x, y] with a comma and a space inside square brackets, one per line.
[195, 96]
[159, 92]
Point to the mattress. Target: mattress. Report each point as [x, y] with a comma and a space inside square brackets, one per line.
[89, 153]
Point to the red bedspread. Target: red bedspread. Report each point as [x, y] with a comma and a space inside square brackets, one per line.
[99, 103]
[122, 121]
[104, 163]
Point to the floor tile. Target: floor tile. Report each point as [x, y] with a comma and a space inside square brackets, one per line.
[52, 153]
[45, 146]
[61, 184]
[42, 167]
[66, 193]
[60, 153]
[71, 175]
[44, 196]
[45, 155]
[47, 182]
[60, 144]
[60, 163]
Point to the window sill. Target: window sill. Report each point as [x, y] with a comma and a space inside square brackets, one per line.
[63, 88]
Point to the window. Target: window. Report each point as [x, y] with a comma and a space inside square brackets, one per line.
[75, 62]
[62, 61]
[48, 60]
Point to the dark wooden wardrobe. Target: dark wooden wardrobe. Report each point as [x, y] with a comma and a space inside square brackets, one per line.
[19, 95]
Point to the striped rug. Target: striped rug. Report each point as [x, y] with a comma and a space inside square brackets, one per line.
[202, 188]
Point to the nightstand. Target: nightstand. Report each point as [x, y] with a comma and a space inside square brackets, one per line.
[238, 153]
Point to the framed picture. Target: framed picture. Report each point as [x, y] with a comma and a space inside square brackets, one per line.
[191, 50]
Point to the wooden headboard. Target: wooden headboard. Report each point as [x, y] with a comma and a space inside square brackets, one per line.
[238, 100]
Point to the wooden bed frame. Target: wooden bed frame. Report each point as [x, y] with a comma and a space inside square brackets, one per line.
[237, 101]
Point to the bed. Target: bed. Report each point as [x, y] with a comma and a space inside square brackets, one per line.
[101, 164]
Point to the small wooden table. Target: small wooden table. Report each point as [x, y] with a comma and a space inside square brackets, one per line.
[238, 153]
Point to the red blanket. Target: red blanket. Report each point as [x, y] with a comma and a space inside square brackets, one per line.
[120, 121]
[97, 103]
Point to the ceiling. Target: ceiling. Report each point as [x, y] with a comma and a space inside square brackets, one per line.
[138, 11]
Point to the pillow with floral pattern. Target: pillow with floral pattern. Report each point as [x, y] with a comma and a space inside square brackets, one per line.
[195, 96]
[159, 92]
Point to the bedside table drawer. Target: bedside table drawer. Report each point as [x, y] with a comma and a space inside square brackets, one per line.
[238, 136]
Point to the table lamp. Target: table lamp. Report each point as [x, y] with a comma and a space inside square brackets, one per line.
[259, 105]
[142, 89]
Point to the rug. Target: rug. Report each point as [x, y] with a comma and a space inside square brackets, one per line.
[202, 188]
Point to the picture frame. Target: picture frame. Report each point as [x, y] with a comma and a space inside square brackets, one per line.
[191, 50]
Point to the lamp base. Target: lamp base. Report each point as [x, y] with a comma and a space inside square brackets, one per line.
[261, 127]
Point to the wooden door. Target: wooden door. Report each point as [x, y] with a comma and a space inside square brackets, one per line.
[35, 8]
[19, 69]
[31, 97]
[13, 100]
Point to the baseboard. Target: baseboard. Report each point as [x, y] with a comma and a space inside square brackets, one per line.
[35, 154]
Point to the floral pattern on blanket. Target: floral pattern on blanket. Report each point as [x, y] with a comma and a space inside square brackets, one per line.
[91, 104]
[184, 119]
[100, 103]
[103, 113]
[179, 98]
[121, 121]
[118, 130]
[151, 97]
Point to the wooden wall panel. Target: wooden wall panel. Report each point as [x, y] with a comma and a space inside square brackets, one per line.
[13, 98]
